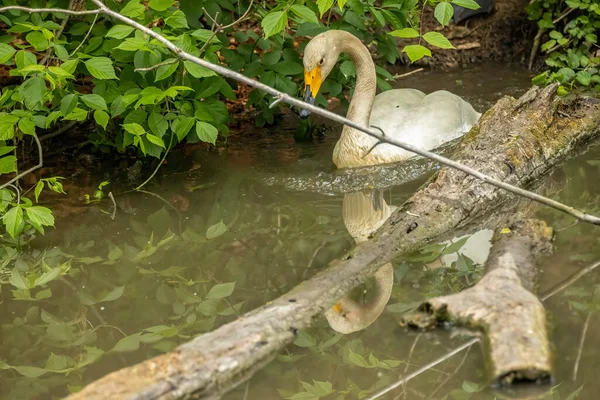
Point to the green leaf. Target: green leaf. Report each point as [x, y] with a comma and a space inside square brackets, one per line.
[59, 72]
[13, 220]
[165, 71]
[6, 149]
[94, 101]
[70, 66]
[101, 118]
[158, 124]
[324, 6]
[197, 71]
[443, 13]
[78, 114]
[68, 104]
[206, 132]
[357, 359]
[38, 189]
[177, 20]
[160, 5]
[182, 126]
[7, 126]
[101, 67]
[120, 31]
[27, 126]
[128, 343]
[134, 129]
[47, 276]
[305, 13]
[288, 68]
[216, 230]
[221, 290]
[23, 58]
[56, 362]
[204, 35]
[583, 78]
[32, 92]
[155, 140]
[40, 215]
[30, 372]
[416, 52]
[17, 280]
[407, 33]
[437, 39]
[113, 295]
[133, 9]
[38, 41]
[6, 52]
[470, 4]
[61, 52]
[274, 22]
[455, 246]
[8, 164]
[133, 44]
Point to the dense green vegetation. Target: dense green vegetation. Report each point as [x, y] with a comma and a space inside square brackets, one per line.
[142, 97]
[571, 42]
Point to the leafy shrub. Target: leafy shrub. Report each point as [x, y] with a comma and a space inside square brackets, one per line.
[572, 42]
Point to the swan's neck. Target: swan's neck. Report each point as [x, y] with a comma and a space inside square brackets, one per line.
[353, 144]
[366, 79]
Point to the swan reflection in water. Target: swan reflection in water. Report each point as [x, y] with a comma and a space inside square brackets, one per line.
[363, 214]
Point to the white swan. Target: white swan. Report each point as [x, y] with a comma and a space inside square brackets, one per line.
[408, 115]
[363, 214]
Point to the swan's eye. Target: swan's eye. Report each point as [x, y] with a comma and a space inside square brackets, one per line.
[322, 61]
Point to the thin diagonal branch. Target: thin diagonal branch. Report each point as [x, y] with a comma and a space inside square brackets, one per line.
[50, 10]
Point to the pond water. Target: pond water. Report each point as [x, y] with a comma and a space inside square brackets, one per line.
[211, 240]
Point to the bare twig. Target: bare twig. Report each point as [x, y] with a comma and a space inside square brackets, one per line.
[58, 34]
[328, 114]
[112, 216]
[39, 165]
[424, 368]
[398, 76]
[569, 281]
[50, 10]
[586, 324]
[534, 48]
[162, 64]
[59, 131]
[216, 27]
[87, 35]
[445, 381]
[408, 360]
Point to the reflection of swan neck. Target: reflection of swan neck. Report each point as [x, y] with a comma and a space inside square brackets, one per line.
[355, 316]
[363, 214]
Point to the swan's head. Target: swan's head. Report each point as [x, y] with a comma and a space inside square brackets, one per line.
[320, 56]
[346, 317]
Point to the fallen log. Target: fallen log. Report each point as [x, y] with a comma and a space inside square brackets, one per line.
[516, 141]
[503, 306]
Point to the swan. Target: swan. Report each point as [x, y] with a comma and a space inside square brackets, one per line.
[363, 214]
[426, 121]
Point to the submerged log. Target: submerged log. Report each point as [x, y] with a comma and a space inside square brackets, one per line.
[503, 306]
[515, 141]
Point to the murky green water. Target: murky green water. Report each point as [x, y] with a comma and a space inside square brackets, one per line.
[213, 241]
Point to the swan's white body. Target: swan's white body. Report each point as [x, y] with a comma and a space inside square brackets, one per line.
[408, 115]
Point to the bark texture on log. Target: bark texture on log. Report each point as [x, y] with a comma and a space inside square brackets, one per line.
[515, 141]
[503, 306]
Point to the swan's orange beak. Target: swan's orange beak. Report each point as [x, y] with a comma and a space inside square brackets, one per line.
[312, 84]
[337, 308]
